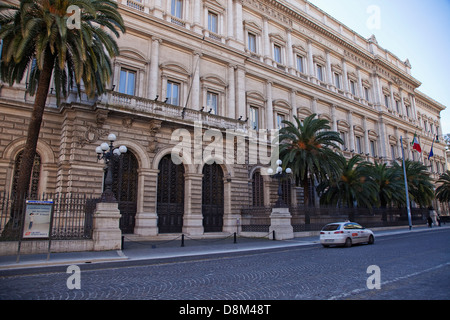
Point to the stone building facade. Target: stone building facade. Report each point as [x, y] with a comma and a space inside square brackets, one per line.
[222, 69]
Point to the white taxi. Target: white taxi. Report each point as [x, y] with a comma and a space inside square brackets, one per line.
[345, 233]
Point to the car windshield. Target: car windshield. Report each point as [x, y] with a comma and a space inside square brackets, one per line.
[331, 227]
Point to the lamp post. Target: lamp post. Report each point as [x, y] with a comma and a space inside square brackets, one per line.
[106, 152]
[279, 175]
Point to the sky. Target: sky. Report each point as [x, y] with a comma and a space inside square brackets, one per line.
[410, 29]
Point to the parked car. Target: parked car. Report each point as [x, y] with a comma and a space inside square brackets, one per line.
[346, 234]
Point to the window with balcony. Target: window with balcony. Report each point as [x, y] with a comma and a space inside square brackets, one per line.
[277, 54]
[353, 87]
[173, 93]
[397, 106]
[127, 81]
[359, 148]
[366, 94]
[252, 42]
[213, 22]
[319, 72]
[337, 80]
[300, 66]
[280, 119]
[212, 102]
[386, 101]
[373, 148]
[254, 118]
[176, 9]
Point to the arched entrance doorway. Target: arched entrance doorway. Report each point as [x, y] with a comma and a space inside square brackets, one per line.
[212, 198]
[170, 197]
[125, 178]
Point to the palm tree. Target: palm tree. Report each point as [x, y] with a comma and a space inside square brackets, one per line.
[420, 187]
[353, 188]
[443, 191]
[36, 34]
[390, 184]
[307, 148]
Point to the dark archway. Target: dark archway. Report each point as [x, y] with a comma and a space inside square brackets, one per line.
[170, 197]
[125, 187]
[212, 198]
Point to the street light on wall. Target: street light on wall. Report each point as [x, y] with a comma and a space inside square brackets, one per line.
[279, 175]
[106, 152]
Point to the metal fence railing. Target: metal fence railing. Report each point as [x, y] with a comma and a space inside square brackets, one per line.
[257, 219]
[72, 215]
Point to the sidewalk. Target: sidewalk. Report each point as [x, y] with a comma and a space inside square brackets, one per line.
[152, 250]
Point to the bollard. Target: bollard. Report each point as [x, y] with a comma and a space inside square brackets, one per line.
[182, 240]
[273, 237]
[234, 237]
[123, 243]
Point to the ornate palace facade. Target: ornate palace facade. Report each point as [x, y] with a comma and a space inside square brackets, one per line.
[219, 66]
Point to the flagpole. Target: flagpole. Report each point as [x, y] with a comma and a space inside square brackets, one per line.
[406, 185]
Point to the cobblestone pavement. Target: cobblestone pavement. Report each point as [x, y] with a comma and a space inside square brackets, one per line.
[412, 266]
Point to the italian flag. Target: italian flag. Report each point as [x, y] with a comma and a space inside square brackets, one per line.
[415, 144]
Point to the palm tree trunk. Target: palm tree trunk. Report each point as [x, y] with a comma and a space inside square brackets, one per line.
[26, 164]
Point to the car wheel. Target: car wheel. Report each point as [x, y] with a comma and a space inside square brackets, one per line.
[325, 245]
[371, 240]
[348, 243]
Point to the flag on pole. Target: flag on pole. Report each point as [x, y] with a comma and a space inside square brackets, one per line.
[415, 144]
[431, 151]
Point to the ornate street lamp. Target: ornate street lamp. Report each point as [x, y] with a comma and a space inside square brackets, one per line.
[279, 175]
[107, 152]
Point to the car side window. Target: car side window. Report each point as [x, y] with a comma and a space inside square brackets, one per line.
[348, 226]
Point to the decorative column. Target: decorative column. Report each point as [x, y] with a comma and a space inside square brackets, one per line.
[352, 131]
[193, 218]
[231, 103]
[240, 92]
[195, 93]
[269, 111]
[310, 59]
[290, 55]
[146, 216]
[267, 51]
[154, 68]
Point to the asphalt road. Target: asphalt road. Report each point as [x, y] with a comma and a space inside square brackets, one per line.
[407, 266]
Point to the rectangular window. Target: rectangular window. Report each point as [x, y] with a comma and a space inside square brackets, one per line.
[353, 87]
[373, 148]
[408, 111]
[386, 101]
[173, 93]
[358, 145]
[337, 80]
[366, 93]
[393, 151]
[254, 118]
[280, 119]
[300, 64]
[212, 22]
[319, 72]
[177, 8]
[212, 102]
[252, 42]
[277, 53]
[397, 105]
[342, 134]
[127, 81]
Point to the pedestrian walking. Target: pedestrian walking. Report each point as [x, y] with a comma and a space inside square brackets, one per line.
[429, 221]
[433, 215]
